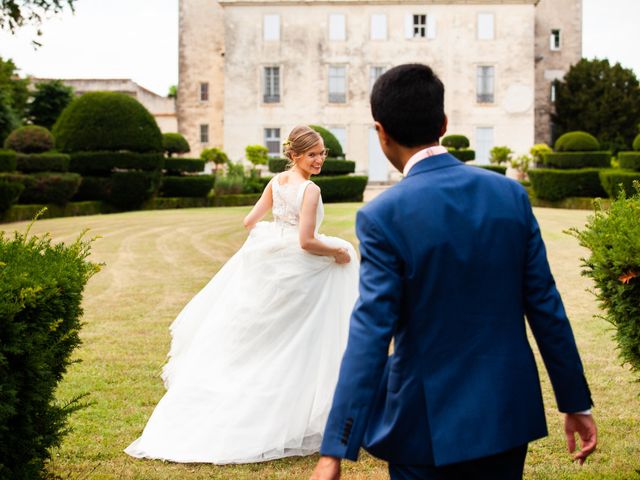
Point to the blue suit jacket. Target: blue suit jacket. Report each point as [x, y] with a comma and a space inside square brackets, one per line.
[452, 261]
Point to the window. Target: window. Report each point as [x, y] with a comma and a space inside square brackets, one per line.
[485, 26]
[420, 25]
[484, 143]
[341, 134]
[374, 74]
[272, 141]
[271, 28]
[553, 92]
[554, 39]
[337, 27]
[204, 92]
[337, 84]
[485, 84]
[204, 133]
[378, 27]
[271, 85]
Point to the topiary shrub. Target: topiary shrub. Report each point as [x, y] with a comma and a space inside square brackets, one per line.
[257, 154]
[636, 143]
[576, 142]
[500, 169]
[347, 188]
[550, 184]
[177, 166]
[613, 181]
[187, 186]
[41, 286]
[102, 163]
[174, 143]
[456, 142]
[500, 154]
[43, 188]
[331, 143]
[334, 166]
[30, 139]
[630, 160]
[130, 189]
[98, 121]
[577, 159]
[613, 237]
[93, 188]
[215, 155]
[42, 162]
[277, 165]
[10, 191]
[7, 160]
[465, 155]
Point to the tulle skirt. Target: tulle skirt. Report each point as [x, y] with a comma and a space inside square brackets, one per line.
[255, 356]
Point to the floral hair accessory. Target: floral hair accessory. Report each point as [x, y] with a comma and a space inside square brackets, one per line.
[286, 143]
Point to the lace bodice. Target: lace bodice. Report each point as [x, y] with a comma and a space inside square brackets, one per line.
[287, 201]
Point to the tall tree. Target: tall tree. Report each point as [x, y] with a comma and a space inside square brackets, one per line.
[601, 99]
[16, 13]
[48, 101]
[8, 118]
[16, 88]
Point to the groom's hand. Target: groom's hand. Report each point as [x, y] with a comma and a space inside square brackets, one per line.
[585, 427]
[327, 468]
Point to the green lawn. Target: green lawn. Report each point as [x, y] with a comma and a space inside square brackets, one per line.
[156, 261]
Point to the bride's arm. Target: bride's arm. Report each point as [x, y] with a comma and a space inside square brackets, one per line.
[262, 206]
[308, 241]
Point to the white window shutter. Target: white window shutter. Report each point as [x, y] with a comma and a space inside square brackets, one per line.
[431, 26]
[408, 26]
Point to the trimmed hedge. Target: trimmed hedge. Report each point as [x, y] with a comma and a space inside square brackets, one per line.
[500, 169]
[41, 287]
[455, 142]
[174, 143]
[7, 160]
[463, 155]
[331, 143]
[630, 160]
[612, 180]
[93, 188]
[42, 162]
[9, 193]
[331, 166]
[30, 139]
[636, 143]
[46, 187]
[21, 213]
[105, 162]
[130, 189]
[550, 184]
[187, 186]
[179, 165]
[347, 188]
[238, 200]
[99, 121]
[577, 141]
[577, 159]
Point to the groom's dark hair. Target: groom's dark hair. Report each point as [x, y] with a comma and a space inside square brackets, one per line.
[408, 101]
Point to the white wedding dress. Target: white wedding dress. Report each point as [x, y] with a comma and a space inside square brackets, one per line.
[255, 354]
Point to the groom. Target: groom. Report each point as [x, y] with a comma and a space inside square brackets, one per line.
[452, 262]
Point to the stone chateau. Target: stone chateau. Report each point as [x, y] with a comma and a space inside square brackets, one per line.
[250, 70]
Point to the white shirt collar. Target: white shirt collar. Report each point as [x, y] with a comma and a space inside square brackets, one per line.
[421, 155]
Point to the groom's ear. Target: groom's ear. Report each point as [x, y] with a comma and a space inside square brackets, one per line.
[443, 128]
[382, 133]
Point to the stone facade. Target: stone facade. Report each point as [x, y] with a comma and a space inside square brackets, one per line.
[162, 108]
[553, 63]
[310, 42]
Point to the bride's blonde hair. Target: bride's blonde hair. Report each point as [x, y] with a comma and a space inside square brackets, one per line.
[301, 139]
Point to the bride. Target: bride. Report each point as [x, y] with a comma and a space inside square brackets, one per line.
[255, 354]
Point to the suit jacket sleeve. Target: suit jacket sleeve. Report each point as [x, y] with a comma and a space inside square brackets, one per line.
[371, 329]
[550, 326]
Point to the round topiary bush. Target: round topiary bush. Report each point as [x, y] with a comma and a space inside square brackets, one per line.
[577, 142]
[174, 143]
[30, 139]
[636, 143]
[110, 121]
[455, 141]
[331, 143]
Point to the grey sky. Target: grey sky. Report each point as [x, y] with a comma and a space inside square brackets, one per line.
[138, 39]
